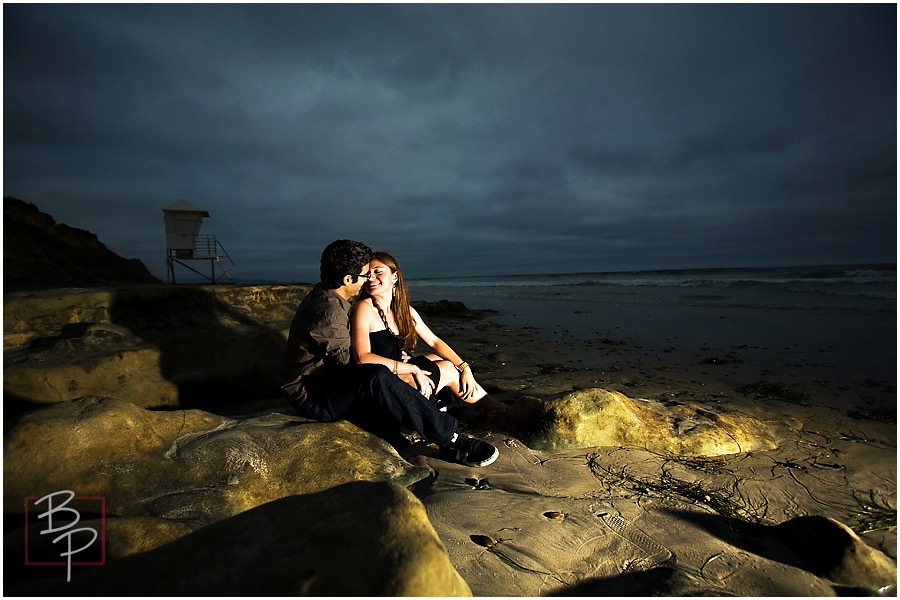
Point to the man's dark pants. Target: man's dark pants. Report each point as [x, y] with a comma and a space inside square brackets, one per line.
[372, 395]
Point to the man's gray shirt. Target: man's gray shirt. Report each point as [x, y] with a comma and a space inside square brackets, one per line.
[318, 346]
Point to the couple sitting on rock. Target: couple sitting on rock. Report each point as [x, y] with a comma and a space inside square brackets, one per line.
[369, 377]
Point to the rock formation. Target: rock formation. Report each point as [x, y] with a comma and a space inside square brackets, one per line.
[40, 253]
[189, 466]
[158, 346]
[596, 417]
[355, 539]
[832, 550]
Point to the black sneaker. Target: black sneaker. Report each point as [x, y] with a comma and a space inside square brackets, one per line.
[470, 452]
[444, 400]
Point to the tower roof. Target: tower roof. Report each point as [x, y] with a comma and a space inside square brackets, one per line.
[185, 206]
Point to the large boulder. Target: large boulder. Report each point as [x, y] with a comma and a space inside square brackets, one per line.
[161, 346]
[149, 312]
[358, 539]
[92, 359]
[833, 551]
[190, 466]
[597, 417]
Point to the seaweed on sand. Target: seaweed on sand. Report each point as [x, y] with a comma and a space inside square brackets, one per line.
[884, 415]
[727, 502]
[774, 390]
[554, 368]
[874, 515]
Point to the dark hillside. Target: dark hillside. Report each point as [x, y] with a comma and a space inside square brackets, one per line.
[39, 253]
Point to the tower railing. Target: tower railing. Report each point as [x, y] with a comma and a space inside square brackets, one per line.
[206, 247]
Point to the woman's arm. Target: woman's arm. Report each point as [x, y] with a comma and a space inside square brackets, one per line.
[362, 318]
[443, 349]
[360, 325]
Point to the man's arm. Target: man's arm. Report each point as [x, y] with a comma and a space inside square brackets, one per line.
[319, 335]
[333, 336]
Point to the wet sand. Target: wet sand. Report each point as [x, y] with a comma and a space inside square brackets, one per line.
[636, 523]
[845, 361]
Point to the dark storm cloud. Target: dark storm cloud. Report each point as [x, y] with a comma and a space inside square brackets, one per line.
[464, 139]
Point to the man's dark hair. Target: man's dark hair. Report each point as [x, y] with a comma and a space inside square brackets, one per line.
[342, 257]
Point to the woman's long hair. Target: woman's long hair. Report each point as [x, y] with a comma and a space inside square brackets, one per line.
[406, 325]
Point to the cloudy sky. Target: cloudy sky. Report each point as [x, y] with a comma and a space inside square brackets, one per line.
[464, 139]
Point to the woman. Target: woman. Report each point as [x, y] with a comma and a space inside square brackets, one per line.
[384, 329]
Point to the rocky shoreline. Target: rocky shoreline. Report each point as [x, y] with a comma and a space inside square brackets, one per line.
[164, 401]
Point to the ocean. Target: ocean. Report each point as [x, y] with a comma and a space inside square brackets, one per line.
[867, 287]
[845, 315]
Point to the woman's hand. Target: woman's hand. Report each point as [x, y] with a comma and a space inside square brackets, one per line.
[466, 385]
[426, 386]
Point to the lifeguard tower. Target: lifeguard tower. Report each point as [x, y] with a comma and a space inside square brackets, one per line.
[185, 243]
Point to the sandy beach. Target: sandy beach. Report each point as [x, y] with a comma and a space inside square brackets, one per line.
[646, 524]
[673, 340]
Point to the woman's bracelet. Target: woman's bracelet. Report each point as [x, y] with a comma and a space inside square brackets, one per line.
[395, 367]
[461, 367]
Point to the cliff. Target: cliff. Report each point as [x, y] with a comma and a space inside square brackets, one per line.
[40, 253]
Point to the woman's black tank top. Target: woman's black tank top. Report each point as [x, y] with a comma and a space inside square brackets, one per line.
[386, 344]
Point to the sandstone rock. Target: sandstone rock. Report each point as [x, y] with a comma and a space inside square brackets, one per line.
[105, 360]
[131, 535]
[33, 316]
[194, 346]
[596, 417]
[832, 550]
[358, 539]
[94, 446]
[124, 536]
[161, 310]
[190, 466]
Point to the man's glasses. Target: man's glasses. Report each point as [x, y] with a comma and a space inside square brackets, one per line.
[356, 276]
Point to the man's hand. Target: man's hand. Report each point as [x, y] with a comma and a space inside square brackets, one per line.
[426, 386]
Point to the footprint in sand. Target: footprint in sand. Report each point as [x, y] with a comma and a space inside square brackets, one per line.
[478, 484]
[482, 540]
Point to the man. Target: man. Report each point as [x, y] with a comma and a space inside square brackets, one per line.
[325, 386]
